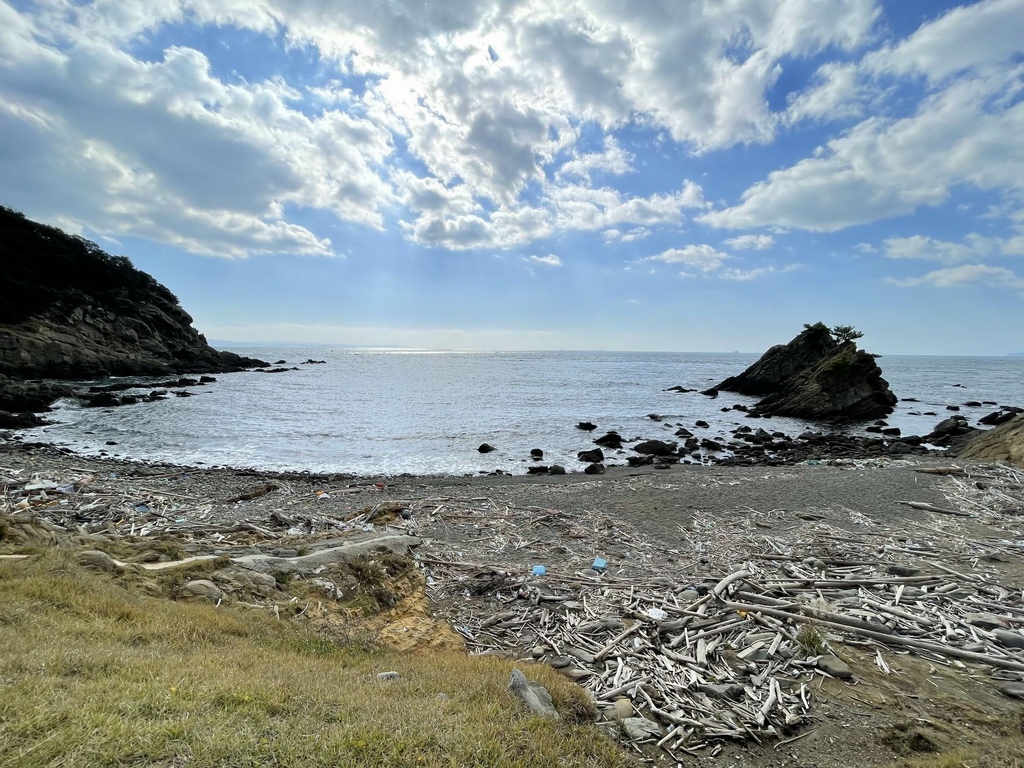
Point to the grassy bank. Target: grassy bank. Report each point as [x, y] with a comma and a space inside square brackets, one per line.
[94, 675]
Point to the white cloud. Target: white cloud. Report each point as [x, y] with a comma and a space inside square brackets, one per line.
[964, 132]
[836, 94]
[746, 275]
[972, 37]
[922, 247]
[884, 168]
[550, 260]
[962, 276]
[703, 258]
[614, 160]
[757, 242]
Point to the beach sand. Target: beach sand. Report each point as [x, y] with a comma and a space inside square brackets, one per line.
[690, 524]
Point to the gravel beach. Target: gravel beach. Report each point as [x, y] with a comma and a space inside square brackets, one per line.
[657, 529]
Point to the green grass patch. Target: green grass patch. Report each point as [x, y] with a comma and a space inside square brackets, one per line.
[92, 674]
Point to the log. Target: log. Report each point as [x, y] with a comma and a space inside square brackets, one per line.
[910, 642]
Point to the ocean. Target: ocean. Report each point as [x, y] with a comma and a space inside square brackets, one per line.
[383, 412]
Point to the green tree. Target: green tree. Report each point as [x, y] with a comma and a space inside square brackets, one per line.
[845, 333]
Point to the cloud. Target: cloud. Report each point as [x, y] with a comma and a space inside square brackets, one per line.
[746, 275]
[703, 258]
[757, 242]
[963, 276]
[550, 260]
[883, 168]
[922, 247]
[614, 160]
[974, 37]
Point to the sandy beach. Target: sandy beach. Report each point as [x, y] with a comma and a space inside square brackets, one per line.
[479, 539]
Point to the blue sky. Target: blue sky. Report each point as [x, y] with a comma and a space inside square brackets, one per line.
[692, 175]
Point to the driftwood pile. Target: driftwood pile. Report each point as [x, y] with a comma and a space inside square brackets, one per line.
[727, 636]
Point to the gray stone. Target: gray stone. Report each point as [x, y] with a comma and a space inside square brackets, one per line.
[200, 589]
[640, 728]
[689, 596]
[835, 666]
[732, 691]
[1014, 690]
[100, 561]
[1008, 639]
[985, 621]
[387, 676]
[535, 697]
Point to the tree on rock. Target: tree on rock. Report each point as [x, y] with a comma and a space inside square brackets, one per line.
[845, 333]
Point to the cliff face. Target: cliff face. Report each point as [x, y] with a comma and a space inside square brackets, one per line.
[70, 311]
[818, 378]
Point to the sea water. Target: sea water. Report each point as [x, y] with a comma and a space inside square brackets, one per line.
[380, 412]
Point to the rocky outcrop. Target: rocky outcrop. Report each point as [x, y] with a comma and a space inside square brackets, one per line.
[1003, 444]
[816, 377]
[70, 311]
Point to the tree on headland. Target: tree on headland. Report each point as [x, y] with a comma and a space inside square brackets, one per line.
[845, 333]
[840, 333]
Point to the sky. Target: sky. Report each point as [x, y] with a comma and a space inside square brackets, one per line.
[657, 175]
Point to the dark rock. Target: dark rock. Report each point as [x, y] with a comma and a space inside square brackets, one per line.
[701, 423]
[654, 416]
[952, 407]
[536, 453]
[10, 420]
[680, 389]
[711, 392]
[586, 426]
[537, 469]
[311, 361]
[996, 418]
[70, 311]
[556, 469]
[683, 432]
[972, 404]
[593, 456]
[594, 469]
[711, 445]
[818, 378]
[485, 448]
[655, 448]
[610, 440]
[891, 431]
[280, 362]
[207, 379]
[835, 666]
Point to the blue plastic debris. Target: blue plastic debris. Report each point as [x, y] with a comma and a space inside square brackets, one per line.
[539, 570]
[600, 564]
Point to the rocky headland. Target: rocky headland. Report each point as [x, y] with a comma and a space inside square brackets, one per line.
[820, 375]
[71, 312]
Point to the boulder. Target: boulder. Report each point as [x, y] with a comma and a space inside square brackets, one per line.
[1004, 444]
[593, 456]
[655, 448]
[485, 448]
[586, 426]
[611, 440]
[534, 696]
[818, 378]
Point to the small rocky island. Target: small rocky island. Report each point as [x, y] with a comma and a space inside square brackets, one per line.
[69, 311]
[820, 375]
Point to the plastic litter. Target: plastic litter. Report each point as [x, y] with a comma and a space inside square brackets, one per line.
[657, 614]
[539, 570]
[600, 564]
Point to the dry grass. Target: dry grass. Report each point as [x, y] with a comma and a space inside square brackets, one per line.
[94, 675]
